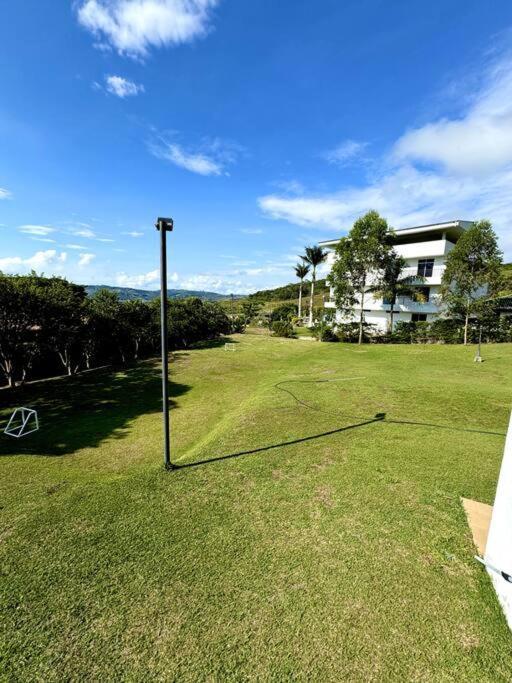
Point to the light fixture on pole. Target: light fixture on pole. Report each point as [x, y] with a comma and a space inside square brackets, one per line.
[164, 225]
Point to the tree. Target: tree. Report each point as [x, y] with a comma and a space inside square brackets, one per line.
[360, 254]
[21, 313]
[301, 271]
[136, 318]
[250, 310]
[64, 321]
[391, 285]
[473, 272]
[314, 256]
[105, 310]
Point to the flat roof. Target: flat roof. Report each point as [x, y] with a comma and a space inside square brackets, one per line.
[453, 228]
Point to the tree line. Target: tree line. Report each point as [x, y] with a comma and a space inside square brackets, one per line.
[47, 323]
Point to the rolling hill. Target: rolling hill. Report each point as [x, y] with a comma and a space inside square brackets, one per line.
[127, 293]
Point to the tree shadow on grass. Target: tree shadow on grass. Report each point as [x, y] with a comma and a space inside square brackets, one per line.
[82, 411]
[213, 343]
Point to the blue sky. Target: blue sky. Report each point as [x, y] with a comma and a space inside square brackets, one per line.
[260, 126]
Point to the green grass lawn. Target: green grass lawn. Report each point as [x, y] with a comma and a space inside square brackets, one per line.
[302, 538]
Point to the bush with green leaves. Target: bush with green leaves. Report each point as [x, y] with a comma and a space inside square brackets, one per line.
[446, 330]
[237, 324]
[349, 332]
[282, 328]
[285, 312]
[324, 332]
[407, 332]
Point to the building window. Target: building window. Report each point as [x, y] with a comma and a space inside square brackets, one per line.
[426, 267]
[419, 318]
[422, 295]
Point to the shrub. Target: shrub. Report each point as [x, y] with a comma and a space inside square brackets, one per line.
[349, 332]
[407, 332]
[325, 333]
[237, 325]
[282, 328]
[285, 312]
[447, 330]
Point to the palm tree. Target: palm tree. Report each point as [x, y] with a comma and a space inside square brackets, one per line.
[314, 256]
[301, 270]
[392, 285]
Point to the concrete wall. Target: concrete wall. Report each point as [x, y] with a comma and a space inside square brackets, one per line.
[498, 552]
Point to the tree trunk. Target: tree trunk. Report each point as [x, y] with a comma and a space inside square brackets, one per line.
[8, 370]
[466, 325]
[391, 318]
[136, 349]
[300, 300]
[312, 293]
[361, 318]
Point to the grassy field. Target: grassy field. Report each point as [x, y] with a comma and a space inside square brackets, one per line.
[313, 531]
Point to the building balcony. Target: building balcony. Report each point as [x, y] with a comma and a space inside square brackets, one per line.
[425, 249]
[403, 305]
[434, 279]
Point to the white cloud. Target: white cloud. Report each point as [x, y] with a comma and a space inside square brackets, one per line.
[479, 141]
[4, 194]
[122, 87]
[132, 27]
[211, 282]
[144, 280]
[84, 232]
[49, 262]
[76, 247]
[290, 186]
[133, 233]
[345, 153]
[465, 172]
[87, 233]
[86, 259]
[211, 157]
[195, 162]
[39, 230]
[43, 239]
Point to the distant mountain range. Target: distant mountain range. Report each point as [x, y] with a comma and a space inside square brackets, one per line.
[127, 293]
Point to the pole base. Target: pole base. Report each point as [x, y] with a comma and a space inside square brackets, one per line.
[168, 467]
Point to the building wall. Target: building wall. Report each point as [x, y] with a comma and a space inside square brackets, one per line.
[377, 313]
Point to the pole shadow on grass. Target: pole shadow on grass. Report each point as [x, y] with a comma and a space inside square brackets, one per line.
[82, 411]
[283, 444]
[380, 417]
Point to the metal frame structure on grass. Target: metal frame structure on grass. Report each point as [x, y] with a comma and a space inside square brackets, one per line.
[20, 420]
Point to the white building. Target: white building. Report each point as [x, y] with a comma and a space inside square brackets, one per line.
[425, 249]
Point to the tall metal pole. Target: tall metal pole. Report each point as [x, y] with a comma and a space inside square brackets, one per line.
[164, 225]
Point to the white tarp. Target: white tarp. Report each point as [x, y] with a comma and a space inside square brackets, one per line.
[498, 551]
